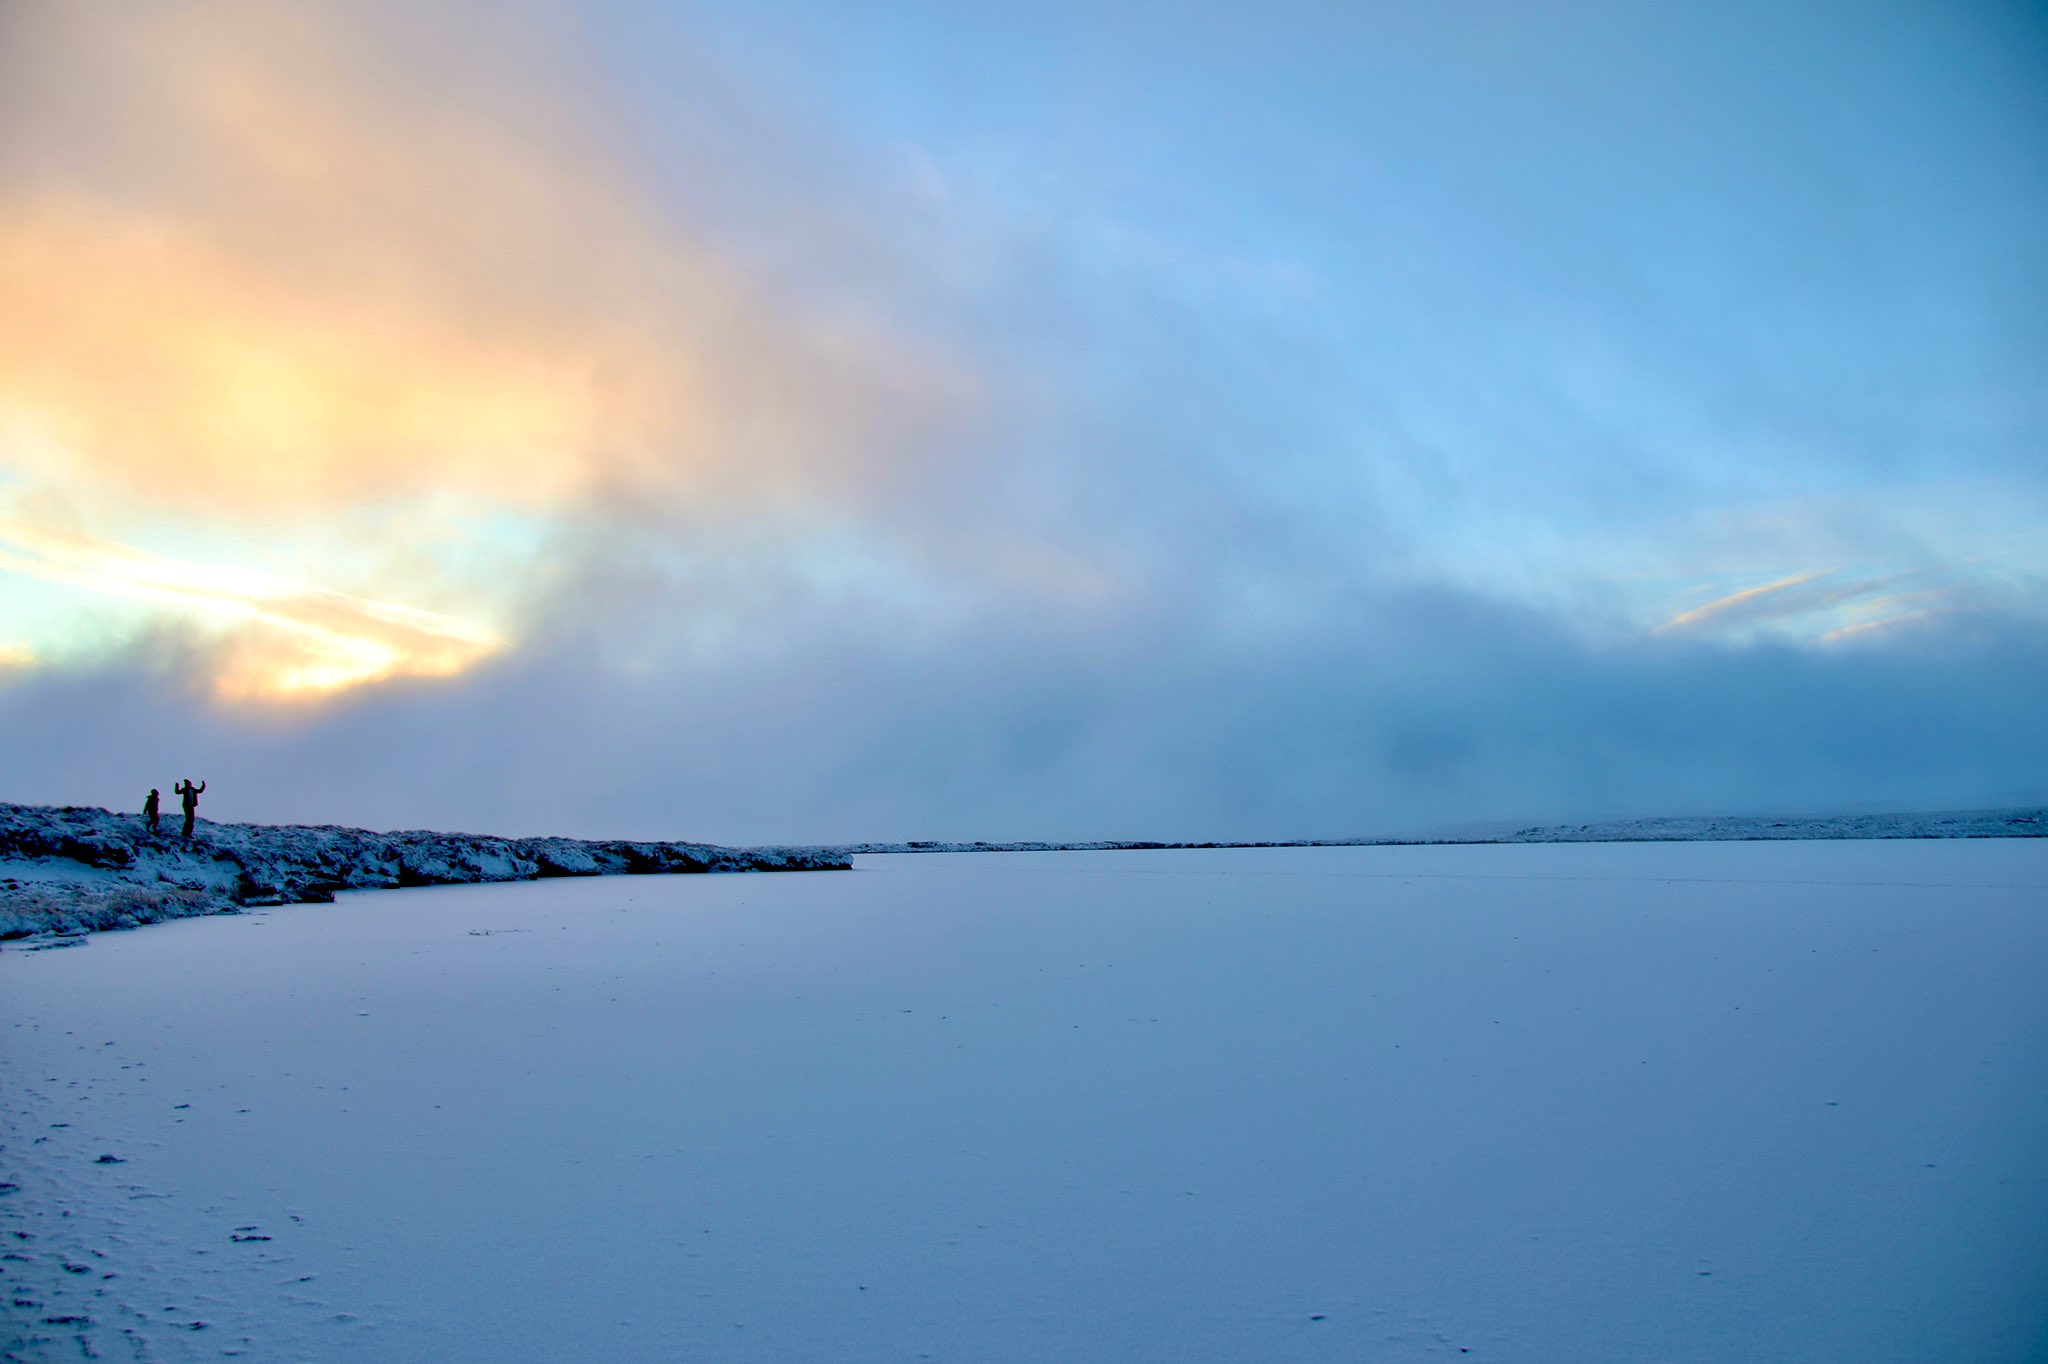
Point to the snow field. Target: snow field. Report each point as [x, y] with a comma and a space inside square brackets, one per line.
[1702, 1101]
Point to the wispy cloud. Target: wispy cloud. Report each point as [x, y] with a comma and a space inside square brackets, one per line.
[1827, 607]
[1764, 601]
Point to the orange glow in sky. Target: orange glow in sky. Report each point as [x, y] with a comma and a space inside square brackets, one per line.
[265, 282]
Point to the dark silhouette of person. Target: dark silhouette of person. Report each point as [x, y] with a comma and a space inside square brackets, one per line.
[151, 808]
[190, 793]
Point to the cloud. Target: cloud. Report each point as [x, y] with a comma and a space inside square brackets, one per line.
[263, 269]
[614, 440]
[1766, 600]
[1831, 606]
[303, 641]
[1422, 708]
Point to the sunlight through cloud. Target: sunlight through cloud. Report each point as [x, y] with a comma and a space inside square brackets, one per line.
[304, 641]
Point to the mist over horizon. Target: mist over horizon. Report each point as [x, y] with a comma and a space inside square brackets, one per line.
[874, 745]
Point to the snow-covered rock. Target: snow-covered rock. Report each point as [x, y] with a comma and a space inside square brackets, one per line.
[76, 869]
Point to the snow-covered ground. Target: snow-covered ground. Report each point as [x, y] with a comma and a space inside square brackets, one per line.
[1687, 1102]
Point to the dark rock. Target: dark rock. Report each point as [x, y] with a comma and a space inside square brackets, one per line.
[95, 852]
[412, 875]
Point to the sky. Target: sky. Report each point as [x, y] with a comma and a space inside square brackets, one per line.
[788, 421]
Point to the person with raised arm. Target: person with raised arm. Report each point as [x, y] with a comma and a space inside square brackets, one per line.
[190, 794]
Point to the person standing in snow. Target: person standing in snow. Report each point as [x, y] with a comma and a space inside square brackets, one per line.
[151, 808]
[190, 793]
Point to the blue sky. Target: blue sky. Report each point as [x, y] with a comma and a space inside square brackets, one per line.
[806, 421]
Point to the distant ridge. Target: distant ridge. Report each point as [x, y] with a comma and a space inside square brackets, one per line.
[2030, 821]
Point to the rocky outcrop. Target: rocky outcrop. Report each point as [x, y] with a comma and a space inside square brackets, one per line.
[80, 869]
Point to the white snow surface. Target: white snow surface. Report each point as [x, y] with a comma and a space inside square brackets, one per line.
[1577, 1102]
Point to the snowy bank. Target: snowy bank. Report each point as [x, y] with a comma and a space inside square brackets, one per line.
[76, 869]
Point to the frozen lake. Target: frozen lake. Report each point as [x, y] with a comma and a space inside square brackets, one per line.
[1688, 1102]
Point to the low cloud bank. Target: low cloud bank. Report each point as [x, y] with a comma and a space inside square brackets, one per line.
[1428, 708]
